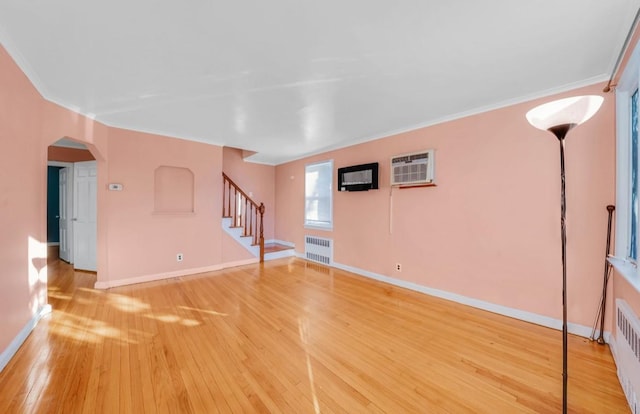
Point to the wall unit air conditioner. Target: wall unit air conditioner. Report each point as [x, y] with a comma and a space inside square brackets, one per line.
[413, 169]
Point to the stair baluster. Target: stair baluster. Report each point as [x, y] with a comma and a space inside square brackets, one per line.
[252, 222]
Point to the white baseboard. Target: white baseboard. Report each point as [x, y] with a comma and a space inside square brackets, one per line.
[282, 242]
[542, 320]
[169, 275]
[237, 263]
[613, 347]
[22, 336]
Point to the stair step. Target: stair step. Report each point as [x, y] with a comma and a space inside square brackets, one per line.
[275, 247]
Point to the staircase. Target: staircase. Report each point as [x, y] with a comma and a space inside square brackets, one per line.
[242, 218]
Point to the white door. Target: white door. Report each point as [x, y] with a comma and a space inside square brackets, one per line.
[85, 231]
[66, 203]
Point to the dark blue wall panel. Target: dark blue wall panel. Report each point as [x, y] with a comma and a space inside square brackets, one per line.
[53, 205]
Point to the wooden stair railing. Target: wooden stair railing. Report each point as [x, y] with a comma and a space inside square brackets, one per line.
[243, 212]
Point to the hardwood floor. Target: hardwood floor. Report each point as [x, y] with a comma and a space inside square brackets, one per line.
[291, 337]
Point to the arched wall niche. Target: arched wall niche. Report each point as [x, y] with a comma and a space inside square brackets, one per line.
[173, 190]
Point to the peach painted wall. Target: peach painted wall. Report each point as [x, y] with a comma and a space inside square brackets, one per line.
[232, 251]
[64, 154]
[490, 229]
[258, 179]
[623, 290]
[23, 239]
[142, 242]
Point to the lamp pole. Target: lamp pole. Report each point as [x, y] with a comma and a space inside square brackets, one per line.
[559, 117]
[560, 132]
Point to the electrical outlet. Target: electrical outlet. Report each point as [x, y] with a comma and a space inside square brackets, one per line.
[398, 267]
[179, 257]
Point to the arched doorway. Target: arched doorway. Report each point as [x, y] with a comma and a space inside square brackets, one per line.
[72, 204]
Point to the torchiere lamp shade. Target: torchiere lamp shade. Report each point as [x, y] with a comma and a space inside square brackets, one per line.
[568, 111]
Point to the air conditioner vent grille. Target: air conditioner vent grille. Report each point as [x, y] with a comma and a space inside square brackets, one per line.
[410, 157]
[413, 169]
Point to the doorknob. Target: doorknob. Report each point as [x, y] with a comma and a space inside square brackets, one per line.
[74, 219]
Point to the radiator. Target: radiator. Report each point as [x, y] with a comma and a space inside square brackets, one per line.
[318, 249]
[628, 353]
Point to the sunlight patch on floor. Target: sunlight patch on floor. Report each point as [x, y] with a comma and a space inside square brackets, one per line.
[303, 330]
[208, 312]
[126, 303]
[81, 329]
[169, 318]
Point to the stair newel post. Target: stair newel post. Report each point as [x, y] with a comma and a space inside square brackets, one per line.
[261, 210]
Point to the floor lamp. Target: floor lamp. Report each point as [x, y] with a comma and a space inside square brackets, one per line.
[559, 117]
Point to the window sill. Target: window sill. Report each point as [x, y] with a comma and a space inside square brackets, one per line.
[318, 227]
[628, 270]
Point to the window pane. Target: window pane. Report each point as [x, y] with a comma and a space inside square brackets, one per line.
[318, 181]
[633, 236]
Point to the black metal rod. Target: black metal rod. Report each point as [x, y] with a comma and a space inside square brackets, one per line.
[563, 236]
[560, 131]
[607, 269]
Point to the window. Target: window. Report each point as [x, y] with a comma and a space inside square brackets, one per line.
[318, 180]
[627, 173]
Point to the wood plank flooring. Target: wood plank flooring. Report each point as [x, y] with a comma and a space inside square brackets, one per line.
[291, 337]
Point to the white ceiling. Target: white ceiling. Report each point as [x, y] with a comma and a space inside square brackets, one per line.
[288, 78]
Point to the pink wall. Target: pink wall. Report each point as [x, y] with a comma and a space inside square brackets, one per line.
[490, 229]
[142, 242]
[22, 202]
[258, 179]
[233, 252]
[623, 290]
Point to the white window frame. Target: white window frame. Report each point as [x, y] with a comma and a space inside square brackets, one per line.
[315, 224]
[629, 82]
